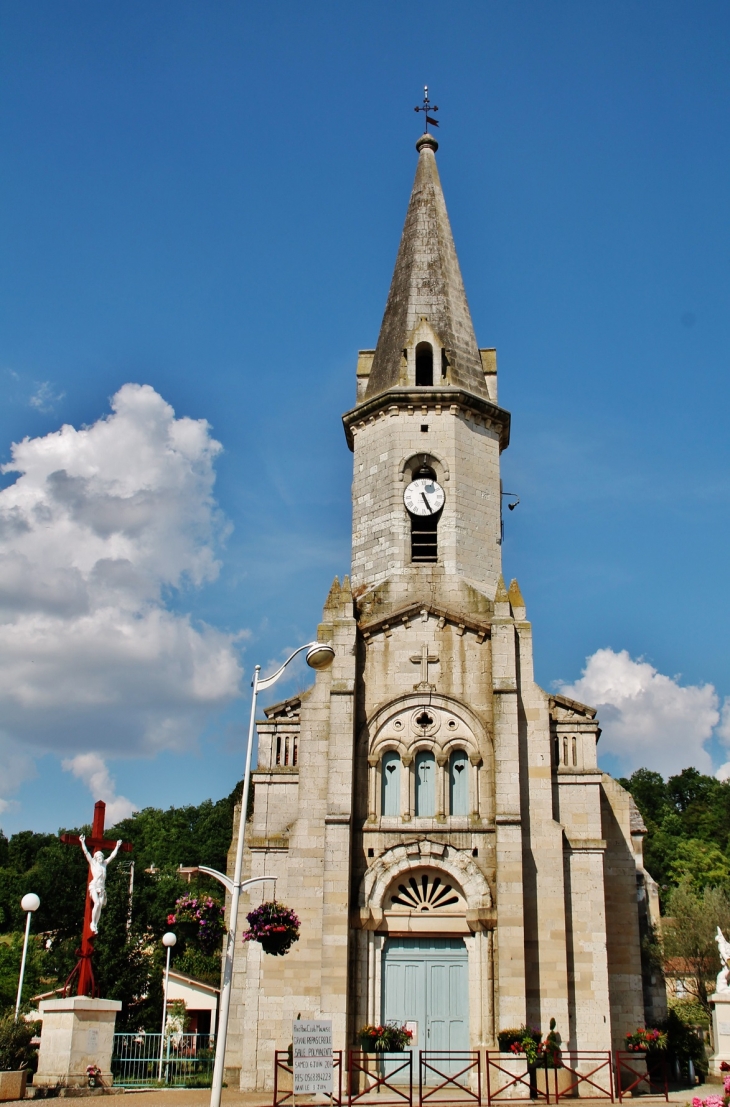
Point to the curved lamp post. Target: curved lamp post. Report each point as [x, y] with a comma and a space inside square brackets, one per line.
[29, 903]
[168, 941]
[319, 656]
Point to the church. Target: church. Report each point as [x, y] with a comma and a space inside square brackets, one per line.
[437, 821]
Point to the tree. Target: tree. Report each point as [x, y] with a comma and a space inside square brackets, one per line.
[703, 865]
[688, 936]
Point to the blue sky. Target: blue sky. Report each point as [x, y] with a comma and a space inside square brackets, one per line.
[207, 200]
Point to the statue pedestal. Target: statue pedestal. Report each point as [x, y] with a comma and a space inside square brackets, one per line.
[720, 1031]
[77, 1032]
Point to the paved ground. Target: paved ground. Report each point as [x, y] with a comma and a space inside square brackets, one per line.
[186, 1097]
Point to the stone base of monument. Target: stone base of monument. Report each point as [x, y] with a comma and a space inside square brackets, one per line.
[77, 1032]
[720, 1031]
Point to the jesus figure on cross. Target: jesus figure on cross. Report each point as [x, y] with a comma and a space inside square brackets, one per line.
[97, 884]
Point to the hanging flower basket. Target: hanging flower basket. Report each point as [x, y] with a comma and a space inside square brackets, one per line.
[199, 918]
[274, 926]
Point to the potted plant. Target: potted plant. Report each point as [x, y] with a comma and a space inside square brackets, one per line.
[274, 926]
[17, 1056]
[93, 1073]
[388, 1038]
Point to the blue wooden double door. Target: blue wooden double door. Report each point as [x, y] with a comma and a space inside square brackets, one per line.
[426, 981]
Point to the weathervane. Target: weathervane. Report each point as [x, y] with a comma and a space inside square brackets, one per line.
[427, 107]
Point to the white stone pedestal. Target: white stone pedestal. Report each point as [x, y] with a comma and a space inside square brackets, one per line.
[77, 1032]
[720, 1030]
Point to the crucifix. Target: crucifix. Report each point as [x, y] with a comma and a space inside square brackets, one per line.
[424, 659]
[95, 895]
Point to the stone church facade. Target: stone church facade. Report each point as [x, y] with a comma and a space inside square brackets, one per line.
[437, 820]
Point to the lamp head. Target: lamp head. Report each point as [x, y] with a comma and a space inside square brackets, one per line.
[320, 656]
[30, 902]
[169, 939]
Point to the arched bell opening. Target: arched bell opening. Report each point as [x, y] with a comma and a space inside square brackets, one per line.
[424, 365]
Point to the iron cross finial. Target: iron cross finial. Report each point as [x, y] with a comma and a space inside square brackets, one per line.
[428, 107]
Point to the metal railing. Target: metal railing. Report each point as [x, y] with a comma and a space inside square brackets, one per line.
[652, 1079]
[450, 1076]
[377, 1074]
[187, 1060]
[509, 1076]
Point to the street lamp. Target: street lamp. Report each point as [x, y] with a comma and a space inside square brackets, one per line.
[29, 903]
[168, 940]
[319, 656]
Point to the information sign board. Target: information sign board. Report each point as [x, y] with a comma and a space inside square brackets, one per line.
[312, 1049]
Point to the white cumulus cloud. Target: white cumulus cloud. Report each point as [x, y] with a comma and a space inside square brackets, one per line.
[101, 524]
[648, 719]
[95, 774]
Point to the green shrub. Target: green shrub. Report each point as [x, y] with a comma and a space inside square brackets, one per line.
[16, 1052]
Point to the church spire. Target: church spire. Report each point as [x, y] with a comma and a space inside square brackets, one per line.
[427, 285]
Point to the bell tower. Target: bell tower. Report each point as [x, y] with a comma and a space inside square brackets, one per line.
[427, 431]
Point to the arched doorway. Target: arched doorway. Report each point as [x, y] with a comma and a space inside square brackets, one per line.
[424, 963]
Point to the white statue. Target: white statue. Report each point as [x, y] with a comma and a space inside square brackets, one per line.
[97, 884]
[723, 947]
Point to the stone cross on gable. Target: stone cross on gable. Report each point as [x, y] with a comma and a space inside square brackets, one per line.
[424, 659]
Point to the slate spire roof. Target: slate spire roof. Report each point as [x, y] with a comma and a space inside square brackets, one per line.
[427, 283]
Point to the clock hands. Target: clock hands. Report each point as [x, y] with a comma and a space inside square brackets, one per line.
[430, 509]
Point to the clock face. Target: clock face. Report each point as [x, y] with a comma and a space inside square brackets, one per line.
[424, 496]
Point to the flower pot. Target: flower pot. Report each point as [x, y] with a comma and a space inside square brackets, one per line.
[12, 1084]
[367, 1044]
[276, 944]
[550, 1079]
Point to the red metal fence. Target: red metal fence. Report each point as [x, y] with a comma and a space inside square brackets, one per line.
[373, 1075]
[632, 1072]
[456, 1077]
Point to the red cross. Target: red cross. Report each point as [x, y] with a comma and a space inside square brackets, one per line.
[86, 985]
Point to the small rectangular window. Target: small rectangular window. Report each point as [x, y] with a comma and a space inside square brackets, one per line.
[575, 751]
[424, 428]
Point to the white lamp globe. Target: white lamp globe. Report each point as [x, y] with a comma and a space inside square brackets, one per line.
[169, 939]
[320, 656]
[30, 902]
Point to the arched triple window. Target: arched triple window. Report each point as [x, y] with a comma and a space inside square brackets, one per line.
[425, 783]
[458, 783]
[424, 365]
[390, 785]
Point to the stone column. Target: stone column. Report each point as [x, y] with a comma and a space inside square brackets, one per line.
[373, 775]
[510, 959]
[408, 788]
[441, 785]
[475, 761]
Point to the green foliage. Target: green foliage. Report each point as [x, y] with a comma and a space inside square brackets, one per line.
[16, 1051]
[690, 936]
[684, 1044]
[699, 862]
[11, 952]
[688, 823]
[129, 959]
